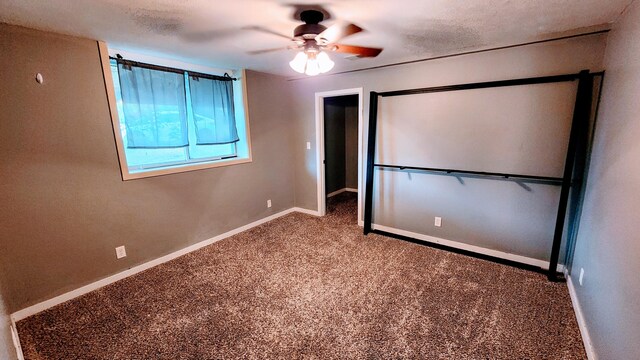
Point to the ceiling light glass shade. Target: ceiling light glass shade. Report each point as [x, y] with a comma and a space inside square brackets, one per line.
[324, 62]
[313, 68]
[299, 62]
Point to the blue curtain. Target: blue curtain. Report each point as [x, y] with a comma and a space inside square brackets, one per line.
[213, 113]
[154, 105]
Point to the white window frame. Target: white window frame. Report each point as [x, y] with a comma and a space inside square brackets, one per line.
[243, 150]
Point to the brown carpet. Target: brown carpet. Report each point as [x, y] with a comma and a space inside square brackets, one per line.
[314, 288]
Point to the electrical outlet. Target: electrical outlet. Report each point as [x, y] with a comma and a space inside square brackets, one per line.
[269, 203]
[308, 145]
[581, 275]
[438, 221]
[121, 252]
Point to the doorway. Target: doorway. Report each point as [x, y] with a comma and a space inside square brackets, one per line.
[339, 148]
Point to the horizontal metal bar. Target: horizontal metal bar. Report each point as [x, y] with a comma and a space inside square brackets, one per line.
[545, 179]
[469, 253]
[483, 85]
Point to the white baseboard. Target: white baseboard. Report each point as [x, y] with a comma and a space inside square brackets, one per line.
[582, 324]
[306, 211]
[34, 309]
[476, 249]
[16, 340]
[340, 191]
[337, 192]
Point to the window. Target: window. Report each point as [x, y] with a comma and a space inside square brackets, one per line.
[171, 120]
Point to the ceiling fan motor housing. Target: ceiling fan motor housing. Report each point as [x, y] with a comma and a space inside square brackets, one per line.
[308, 31]
[311, 27]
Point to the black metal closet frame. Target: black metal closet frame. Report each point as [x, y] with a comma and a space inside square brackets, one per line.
[578, 140]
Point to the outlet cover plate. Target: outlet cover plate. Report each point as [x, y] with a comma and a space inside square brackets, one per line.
[121, 252]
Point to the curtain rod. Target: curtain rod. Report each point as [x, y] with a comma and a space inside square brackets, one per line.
[122, 60]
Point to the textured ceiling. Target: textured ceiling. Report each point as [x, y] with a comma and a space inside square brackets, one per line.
[219, 33]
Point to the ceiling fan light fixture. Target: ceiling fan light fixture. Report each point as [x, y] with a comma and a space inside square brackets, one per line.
[313, 40]
[311, 63]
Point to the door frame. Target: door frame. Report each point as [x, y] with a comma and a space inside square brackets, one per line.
[320, 166]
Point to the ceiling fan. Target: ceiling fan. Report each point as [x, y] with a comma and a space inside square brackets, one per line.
[313, 40]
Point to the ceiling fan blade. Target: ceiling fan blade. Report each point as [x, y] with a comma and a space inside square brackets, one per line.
[338, 31]
[265, 51]
[360, 51]
[266, 31]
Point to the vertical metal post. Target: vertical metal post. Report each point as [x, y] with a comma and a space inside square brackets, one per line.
[581, 113]
[581, 171]
[371, 153]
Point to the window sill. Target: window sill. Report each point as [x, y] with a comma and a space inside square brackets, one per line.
[126, 175]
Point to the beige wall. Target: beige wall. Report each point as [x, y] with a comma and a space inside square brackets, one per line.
[65, 207]
[608, 243]
[524, 130]
[467, 214]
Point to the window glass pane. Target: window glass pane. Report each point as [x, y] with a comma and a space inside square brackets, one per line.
[154, 106]
[204, 151]
[147, 158]
[212, 106]
[140, 158]
[212, 151]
